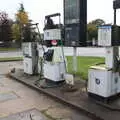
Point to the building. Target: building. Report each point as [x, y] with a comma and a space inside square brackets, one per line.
[75, 22]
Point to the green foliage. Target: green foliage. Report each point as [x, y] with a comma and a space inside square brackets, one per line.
[5, 27]
[98, 22]
[21, 9]
[16, 35]
[8, 49]
[83, 64]
[92, 28]
[18, 28]
[92, 31]
[22, 16]
[11, 59]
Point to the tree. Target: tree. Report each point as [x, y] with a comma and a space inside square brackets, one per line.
[22, 20]
[22, 15]
[5, 27]
[16, 32]
[98, 22]
[92, 28]
[92, 31]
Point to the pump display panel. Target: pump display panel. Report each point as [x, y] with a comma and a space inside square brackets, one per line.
[109, 35]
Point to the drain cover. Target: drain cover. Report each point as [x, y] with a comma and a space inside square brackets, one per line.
[7, 96]
[33, 114]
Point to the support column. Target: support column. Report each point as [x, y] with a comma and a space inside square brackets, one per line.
[75, 59]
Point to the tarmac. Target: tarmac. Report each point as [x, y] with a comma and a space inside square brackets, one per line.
[20, 102]
[78, 100]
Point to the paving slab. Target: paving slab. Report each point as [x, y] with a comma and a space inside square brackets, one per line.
[60, 113]
[7, 96]
[78, 99]
[32, 114]
[28, 99]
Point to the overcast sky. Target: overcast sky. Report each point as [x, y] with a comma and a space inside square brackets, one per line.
[37, 9]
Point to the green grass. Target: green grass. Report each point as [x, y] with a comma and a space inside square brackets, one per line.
[11, 59]
[8, 49]
[83, 64]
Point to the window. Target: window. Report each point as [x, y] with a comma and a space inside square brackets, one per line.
[72, 11]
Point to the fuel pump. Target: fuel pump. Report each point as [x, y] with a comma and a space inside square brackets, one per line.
[30, 51]
[104, 79]
[54, 61]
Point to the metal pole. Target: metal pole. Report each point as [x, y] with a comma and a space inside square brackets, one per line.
[75, 59]
[39, 32]
[115, 49]
[114, 16]
[115, 58]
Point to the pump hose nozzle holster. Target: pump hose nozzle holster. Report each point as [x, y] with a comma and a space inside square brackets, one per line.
[117, 65]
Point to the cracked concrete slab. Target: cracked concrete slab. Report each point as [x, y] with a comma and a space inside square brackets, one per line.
[5, 96]
[33, 114]
[59, 112]
[65, 113]
[29, 99]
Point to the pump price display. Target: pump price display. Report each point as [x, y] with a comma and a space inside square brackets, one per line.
[104, 35]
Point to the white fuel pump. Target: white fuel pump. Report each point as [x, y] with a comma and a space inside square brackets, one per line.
[30, 58]
[54, 68]
[54, 60]
[30, 49]
[104, 79]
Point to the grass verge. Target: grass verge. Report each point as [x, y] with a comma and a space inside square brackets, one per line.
[83, 64]
[10, 59]
[8, 49]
